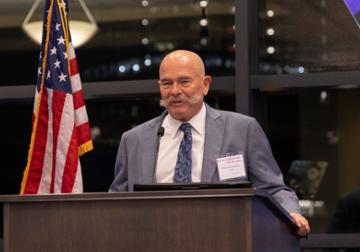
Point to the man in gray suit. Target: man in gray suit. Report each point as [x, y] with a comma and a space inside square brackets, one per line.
[192, 142]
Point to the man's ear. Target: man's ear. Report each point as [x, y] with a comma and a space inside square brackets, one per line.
[206, 83]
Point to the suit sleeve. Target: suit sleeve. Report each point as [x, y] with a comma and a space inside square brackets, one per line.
[120, 182]
[264, 172]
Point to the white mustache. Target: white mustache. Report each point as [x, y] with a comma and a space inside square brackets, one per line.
[190, 100]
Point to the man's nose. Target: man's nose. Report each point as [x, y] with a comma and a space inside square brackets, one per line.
[175, 89]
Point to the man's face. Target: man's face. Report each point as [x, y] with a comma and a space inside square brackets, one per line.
[182, 88]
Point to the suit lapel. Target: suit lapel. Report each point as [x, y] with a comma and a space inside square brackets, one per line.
[149, 149]
[214, 135]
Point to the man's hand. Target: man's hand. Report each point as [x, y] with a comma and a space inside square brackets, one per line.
[301, 223]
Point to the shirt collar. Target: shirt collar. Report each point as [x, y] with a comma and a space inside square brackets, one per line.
[197, 122]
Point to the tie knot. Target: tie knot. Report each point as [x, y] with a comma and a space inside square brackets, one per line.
[186, 128]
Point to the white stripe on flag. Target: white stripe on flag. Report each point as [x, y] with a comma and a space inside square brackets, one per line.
[71, 51]
[64, 138]
[81, 116]
[75, 82]
[78, 184]
[45, 181]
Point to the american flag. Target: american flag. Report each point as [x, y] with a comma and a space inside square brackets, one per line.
[61, 131]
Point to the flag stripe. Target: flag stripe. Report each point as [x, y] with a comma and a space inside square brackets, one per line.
[78, 99]
[34, 175]
[81, 116]
[83, 132]
[78, 183]
[71, 164]
[73, 67]
[71, 51]
[75, 83]
[59, 111]
[65, 134]
[46, 177]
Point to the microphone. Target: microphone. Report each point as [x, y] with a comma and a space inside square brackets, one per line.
[161, 131]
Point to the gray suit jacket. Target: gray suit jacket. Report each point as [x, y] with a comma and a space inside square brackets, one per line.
[225, 133]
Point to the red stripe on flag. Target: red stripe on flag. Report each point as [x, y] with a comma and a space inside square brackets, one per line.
[58, 101]
[71, 165]
[39, 147]
[78, 99]
[73, 67]
[83, 132]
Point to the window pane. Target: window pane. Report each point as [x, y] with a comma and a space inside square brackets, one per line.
[306, 36]
[316, 125]
[132, 38]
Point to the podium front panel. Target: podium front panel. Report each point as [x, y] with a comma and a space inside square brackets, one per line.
[214, 220]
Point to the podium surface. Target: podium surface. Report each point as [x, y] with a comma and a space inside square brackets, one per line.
[223, 220]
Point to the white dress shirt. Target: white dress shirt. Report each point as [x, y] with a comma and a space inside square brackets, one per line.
[170, 143]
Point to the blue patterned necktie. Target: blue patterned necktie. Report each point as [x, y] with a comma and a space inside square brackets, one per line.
[183, 163]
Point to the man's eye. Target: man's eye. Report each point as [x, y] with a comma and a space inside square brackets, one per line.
[185, 82]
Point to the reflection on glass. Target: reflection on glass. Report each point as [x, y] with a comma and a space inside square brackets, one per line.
[297, 37]
[305, 176]
[314, 135]
[133, 36]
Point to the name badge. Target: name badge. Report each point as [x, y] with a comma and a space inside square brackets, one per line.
[231, 167]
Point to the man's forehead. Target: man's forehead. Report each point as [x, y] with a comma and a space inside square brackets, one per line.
[179, 71]
[168, 65]
[176, 77]
[180, 56]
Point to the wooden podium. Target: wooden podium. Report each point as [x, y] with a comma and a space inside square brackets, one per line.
[171, 221]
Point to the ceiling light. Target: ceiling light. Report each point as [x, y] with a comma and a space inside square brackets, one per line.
[145, 41]
[145, 3]
[136, 67]
[270, 50]
[203, 3]
[270, 13]
[323, 95]
[145, 21]
[203, 22]
[270, 31]
[204, 41]
[81, 31]
[147, 62]
[122, 68]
